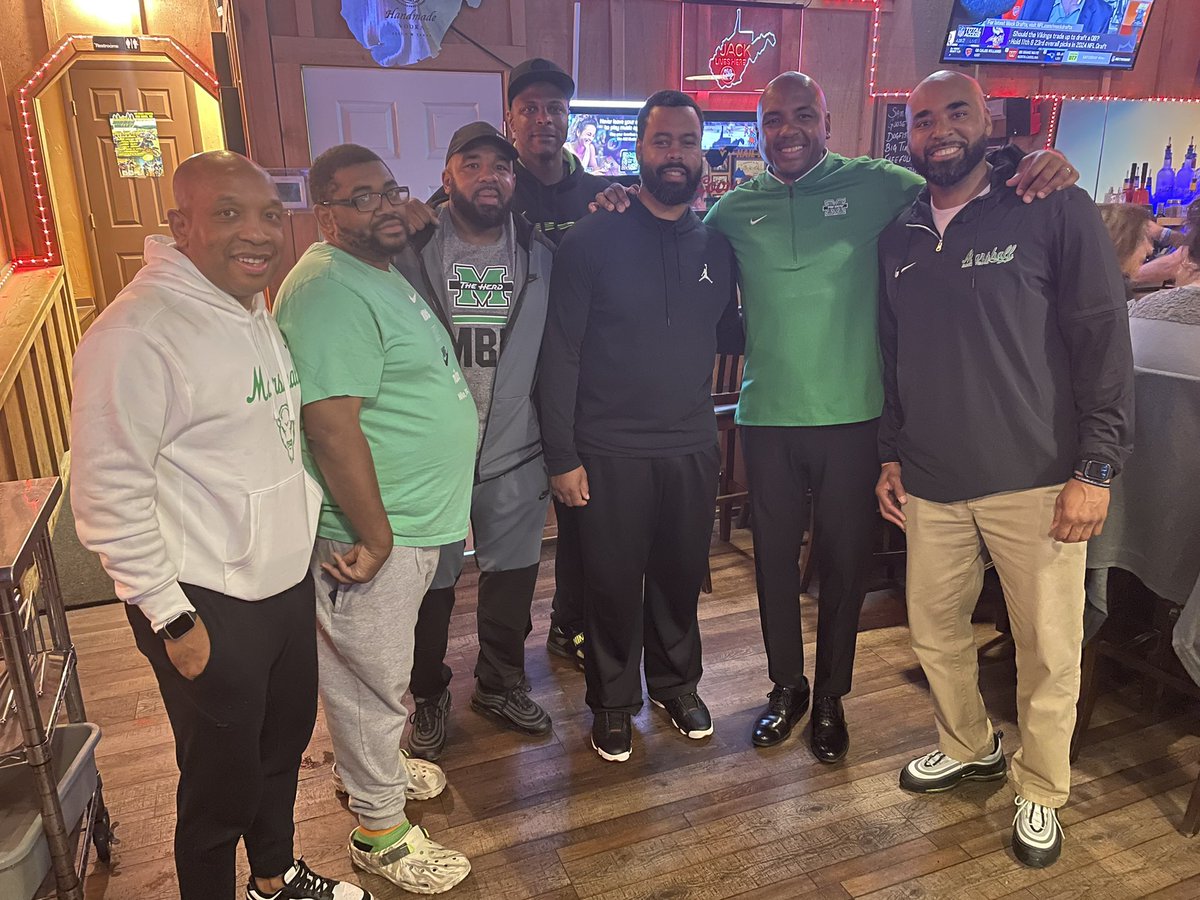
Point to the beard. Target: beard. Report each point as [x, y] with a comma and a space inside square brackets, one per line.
[670, 193]
[481, 217]
[951, 172]
[370, 243]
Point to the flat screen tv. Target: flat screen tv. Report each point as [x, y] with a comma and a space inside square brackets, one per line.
[603, 135]
[1102, 34]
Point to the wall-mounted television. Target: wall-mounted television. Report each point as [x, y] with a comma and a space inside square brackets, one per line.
[1102, 34]
[603, 134]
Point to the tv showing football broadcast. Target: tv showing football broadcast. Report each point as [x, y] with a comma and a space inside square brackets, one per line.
[1102, 34]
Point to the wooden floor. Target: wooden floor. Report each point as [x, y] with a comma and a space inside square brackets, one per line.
[698, 819]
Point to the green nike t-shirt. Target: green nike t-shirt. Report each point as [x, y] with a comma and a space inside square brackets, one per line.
[358, 331]
[808, 264]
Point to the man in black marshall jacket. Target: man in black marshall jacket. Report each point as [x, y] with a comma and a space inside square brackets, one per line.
[1008, 386]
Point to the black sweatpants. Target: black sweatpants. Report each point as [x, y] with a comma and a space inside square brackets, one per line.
[502, 617]
[240, 729]
[645, 535]
[840, 464]
[566, 610]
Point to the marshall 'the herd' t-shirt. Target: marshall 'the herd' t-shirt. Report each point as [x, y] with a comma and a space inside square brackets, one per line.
[479, 284]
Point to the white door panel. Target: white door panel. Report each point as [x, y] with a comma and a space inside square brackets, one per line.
[406, 116]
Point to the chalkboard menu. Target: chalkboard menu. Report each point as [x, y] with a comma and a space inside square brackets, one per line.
[895, 136]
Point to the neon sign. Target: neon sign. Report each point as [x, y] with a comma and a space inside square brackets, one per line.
[736, 52]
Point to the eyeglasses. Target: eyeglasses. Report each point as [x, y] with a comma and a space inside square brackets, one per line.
[372, 200]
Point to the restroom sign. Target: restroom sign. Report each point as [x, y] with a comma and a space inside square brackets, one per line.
[128, 44]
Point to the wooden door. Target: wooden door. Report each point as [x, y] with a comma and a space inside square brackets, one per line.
[120, 212]
[406, 116]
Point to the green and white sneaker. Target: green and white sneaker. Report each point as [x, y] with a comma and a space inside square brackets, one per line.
[425, 780]
[936, 772]
[1037, 836]
[415, 862]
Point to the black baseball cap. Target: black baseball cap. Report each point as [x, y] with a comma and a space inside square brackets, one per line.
[479, 132]
[537, 69]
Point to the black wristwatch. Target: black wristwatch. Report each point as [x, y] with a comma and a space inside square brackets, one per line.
[1093, 471]
[178, 626]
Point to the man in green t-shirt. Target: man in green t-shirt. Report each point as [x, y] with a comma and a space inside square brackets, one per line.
[805, 234]
[390, 430]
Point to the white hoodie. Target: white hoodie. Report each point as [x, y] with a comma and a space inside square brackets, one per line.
[185, 443]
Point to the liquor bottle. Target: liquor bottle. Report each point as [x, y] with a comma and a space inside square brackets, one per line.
[1111, 196]
[1131, 183]
[1186, 173]
[1141, 196]
[1164, 181]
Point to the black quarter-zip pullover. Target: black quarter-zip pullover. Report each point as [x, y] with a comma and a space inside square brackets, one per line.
[636, 303]
[1005, 344]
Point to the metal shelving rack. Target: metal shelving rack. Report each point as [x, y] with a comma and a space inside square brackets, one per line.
[38, 677]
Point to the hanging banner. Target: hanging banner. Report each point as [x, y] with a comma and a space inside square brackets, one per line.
[135, 140]
[402, 32]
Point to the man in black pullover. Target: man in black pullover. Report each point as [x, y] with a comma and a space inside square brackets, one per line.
[1008, 383]
[636, 304]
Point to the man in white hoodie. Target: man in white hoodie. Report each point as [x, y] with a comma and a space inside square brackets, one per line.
[189, 484]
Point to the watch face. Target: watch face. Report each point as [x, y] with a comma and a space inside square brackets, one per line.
[179, 626]
[1100, 471]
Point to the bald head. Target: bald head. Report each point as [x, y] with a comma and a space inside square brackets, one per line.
[948, 129]
[228, 220]
[793, 125]
[791, 81]
[206, 171]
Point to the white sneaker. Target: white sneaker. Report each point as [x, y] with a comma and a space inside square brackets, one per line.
[936, 772]
[415, 863]
[1037, 836]
[425, 780]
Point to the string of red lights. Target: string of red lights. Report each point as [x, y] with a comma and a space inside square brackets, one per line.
[25, 98]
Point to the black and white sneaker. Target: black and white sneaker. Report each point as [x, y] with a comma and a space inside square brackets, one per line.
[1037, 836]
[428, 737]
[612, 735]
[512, 709]
[689, 714]
[566, 643]
[936, 772]
[302, 883]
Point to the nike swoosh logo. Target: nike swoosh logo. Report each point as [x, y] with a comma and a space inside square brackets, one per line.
[756, 221]
[901, 271]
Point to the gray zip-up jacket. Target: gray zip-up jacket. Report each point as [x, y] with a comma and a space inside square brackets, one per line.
[511, 435]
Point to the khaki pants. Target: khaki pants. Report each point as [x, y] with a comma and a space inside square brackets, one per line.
[1043, 588]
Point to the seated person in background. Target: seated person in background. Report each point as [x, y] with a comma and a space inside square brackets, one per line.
[1093, 15]
[1165, 326]
[1165, 266]
[1127, 225]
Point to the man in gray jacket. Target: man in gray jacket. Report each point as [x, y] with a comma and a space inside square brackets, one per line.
[487, 272]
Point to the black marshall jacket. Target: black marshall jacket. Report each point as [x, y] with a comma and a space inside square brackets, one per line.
[1005, 344]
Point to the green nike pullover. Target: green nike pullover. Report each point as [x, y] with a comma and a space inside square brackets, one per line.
[807, 259]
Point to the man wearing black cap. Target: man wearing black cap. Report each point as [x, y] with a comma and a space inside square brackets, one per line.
[553, 192]
[488, 272]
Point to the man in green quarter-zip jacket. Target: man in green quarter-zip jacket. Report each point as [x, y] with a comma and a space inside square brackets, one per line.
[805, 234]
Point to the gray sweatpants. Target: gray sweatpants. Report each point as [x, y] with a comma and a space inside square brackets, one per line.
[365, 651]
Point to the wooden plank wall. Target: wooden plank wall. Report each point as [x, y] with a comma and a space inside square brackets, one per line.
[38, 336]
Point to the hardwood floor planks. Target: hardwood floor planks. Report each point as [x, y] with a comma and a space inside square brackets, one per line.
[546, 819]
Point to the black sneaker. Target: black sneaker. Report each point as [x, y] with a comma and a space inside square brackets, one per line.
[302, 883]
[512, 709]
[612, 735]
[567, 644]
[689, 715]
[1037, 837]
[428, 737]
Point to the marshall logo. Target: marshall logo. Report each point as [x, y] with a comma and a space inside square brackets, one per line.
[480, 298]
[838, 207]
[992, 257]
[735, 53]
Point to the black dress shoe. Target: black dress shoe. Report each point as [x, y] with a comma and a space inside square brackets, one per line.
[830, 740]
[785, 706]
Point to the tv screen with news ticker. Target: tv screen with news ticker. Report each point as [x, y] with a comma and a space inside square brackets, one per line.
[1102, 34]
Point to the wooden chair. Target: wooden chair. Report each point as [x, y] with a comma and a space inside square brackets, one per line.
[727, 385]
